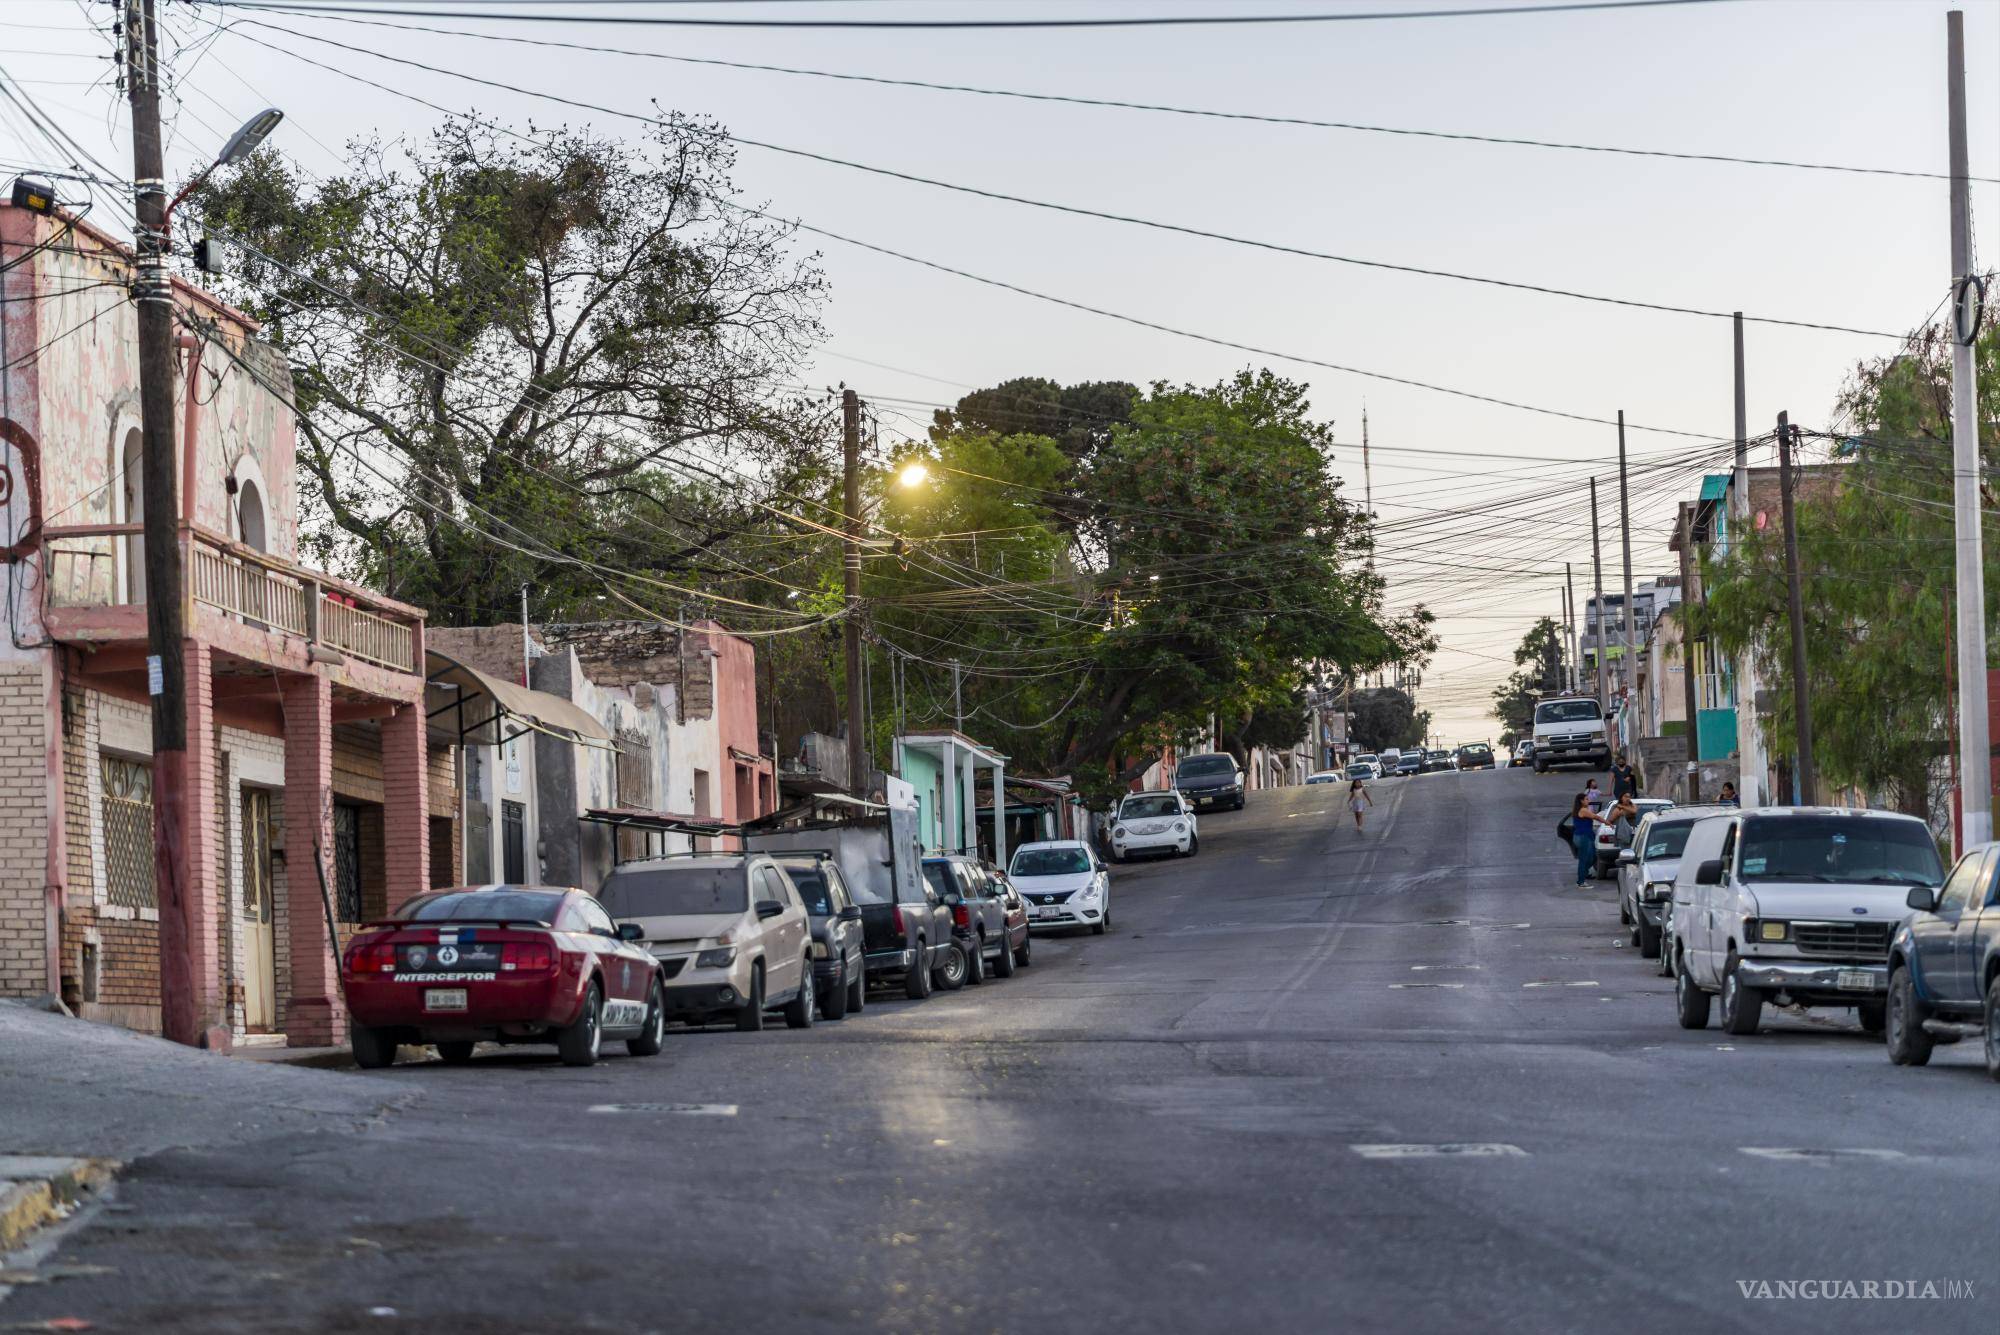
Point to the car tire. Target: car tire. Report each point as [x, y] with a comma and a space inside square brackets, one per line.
[1194, 844]
[857, 987]
[1540, 768]
[1625, 916]
[1003, 963]
[1101, 926]
[975, 962]
[834, 1007]
[1992, 1041]
[917, 979]
[750, 1015]
[950, 972]
[653, 1036]
[1690, 1002]
[1742, 1007]
[1873, 1017]
[577, 1044]
[373, 1048]
[1649, 940]
[803, 1009]
[455, 1053]
[1022, 956]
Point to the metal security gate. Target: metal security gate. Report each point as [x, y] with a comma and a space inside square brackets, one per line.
[347, 862]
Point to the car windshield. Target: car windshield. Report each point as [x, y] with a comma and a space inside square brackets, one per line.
[811, 882]
[1148, 804]
[1201, 767]
[1049, 862]
[1477, 750]
[484, 905]
[1567, 711]
[1667, 841]
[673, 892]
[1841, 848]
[1370, 759]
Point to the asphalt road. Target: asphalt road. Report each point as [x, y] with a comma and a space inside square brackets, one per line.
[1176, 1127]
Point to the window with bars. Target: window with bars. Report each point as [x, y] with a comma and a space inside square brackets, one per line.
[128, 832]
[347, 862]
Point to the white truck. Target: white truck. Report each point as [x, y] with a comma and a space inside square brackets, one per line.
[1570, 730]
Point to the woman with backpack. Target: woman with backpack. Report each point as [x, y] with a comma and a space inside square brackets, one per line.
[1582, 826]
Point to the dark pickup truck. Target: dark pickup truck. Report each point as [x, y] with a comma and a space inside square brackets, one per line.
[1944, 964]
[978, 904]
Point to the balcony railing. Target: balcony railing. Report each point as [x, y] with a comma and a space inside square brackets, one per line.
[102, 566]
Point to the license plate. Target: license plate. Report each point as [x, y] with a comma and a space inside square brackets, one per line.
[1856, 982]
[1049, 913]
[445, 999]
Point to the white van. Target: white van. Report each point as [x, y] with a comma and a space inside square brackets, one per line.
[1570, 730]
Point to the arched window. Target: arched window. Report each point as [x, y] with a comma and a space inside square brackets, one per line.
[250, 516]
[132, 510]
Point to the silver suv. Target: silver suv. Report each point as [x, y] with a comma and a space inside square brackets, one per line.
[729, 930]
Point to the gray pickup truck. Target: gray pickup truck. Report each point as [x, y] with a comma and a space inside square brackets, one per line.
[1944, 964]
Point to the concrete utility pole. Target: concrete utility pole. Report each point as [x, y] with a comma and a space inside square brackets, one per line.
[1795, 603]
[1742, 400]
[957, 699]
[181, 1019]
[1684, 533]
[1630, 676]
[850, 450]
[1975, 742]
[1596, 620]
[1575, 650]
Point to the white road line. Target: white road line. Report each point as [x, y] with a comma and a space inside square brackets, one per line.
[681, 1109]
[1589, 982]
[1450, 986]
[1445, 1151]
[1419, 968]
[1793, 1154]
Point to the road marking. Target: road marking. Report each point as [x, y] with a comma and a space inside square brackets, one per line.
[1793, 1154]
[1444, 922]
[1447, 1151]
[683, 1109]
[1555, 982]
[1399, 986]
[1419, 968]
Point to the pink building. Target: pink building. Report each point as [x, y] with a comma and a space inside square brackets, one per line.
[307, 739]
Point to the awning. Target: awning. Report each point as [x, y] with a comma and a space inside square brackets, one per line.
[1713, 486]
[485, 705]
[656, 822]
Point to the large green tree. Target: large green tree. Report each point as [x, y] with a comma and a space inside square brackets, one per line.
[1538, 662]
[1875, 553]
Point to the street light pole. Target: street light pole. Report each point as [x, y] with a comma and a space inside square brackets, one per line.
[1795, 609]
[1975, 740]
[850, 446]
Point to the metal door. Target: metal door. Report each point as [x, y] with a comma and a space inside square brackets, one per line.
[260, 954]
[513, 843]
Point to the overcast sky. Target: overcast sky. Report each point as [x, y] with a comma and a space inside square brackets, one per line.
[1860, 83]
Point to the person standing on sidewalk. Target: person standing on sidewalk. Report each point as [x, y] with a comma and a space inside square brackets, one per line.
[1624, 780]
[1358, 801]
[1583, 837]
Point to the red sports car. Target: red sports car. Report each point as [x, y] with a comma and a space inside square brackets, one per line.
[501, 964]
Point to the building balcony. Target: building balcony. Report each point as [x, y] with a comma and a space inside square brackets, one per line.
[250, 606]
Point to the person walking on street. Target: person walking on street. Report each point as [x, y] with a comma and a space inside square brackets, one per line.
[1358, 801]
[1583, 836]
[1624, 780]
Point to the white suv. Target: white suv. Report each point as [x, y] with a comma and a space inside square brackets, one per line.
[730, 932]
[1161, 822]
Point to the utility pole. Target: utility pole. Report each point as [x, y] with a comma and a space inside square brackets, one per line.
[1684, 539]
[1575, 651]
[1742, 400]
[957, 699]
[850, 449]
[1597, 573]
[1975, 799]
[1630, 676]
[1795, 602]
[181, 1019]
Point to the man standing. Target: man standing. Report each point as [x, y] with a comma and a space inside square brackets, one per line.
[1624, 780]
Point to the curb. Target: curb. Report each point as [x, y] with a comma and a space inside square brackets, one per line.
[36, 1190]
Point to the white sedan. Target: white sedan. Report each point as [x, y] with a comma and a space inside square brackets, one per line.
[1064, 884]
[1158, 822]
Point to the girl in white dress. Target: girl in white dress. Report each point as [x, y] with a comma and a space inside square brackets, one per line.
[1358, 801]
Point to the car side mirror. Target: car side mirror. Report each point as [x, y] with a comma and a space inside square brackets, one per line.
[769, 908]
[1921, 898]
[1627, 855]
[953, 901]
[852, 913]
[631, 931]
[1709, 872]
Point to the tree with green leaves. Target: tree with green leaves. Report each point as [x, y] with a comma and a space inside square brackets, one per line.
[1875, 539]
[1538, 660]
[1386, 716]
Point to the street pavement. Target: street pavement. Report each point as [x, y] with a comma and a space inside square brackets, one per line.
[1222, 1116]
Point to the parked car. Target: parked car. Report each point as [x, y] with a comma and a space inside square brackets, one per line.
[839, 942]
[1411, 762]
[500, 964]
[1325, 776]
[1064, 883]
[729, 930]
[1391, 757]
[1646, 872]
[978, 916]
[1161, 822]
[906, 928]
[1794, 906]
[1524, 754]
[1944, 964]
[1367, 766]
[1018, 933]
[1436, 762]
[1212, 779]
[1475, 755]
[1610, 840]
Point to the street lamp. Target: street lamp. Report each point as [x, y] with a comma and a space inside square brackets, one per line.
[240, 146]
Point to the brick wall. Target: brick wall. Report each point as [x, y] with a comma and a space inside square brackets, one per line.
[23, 831]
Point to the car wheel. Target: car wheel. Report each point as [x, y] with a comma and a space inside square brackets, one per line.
[578, 1043]
[373, 1048]
[1625, 915]
[456, 1053]
[1194, 844]
[1992, 1044]
[975, 962]
[750, 1016]
[950, 971]
[1742, 1007]
[1649, 940]
[802, 1009]
[917, 980]
[1003, 963]
[837, 995]
[1873, 1016]
[1101, 926]
[1690, 1002]
[654, 1036]
[1540, 768]
[1021, 956]
[857, 986]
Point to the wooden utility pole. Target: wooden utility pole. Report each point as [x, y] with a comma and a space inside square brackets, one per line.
[181, 1019]
[1795, 603]
[850, 447]
[1575, 653]
[1634, 710]
[1684, 539]
[1596, 621]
